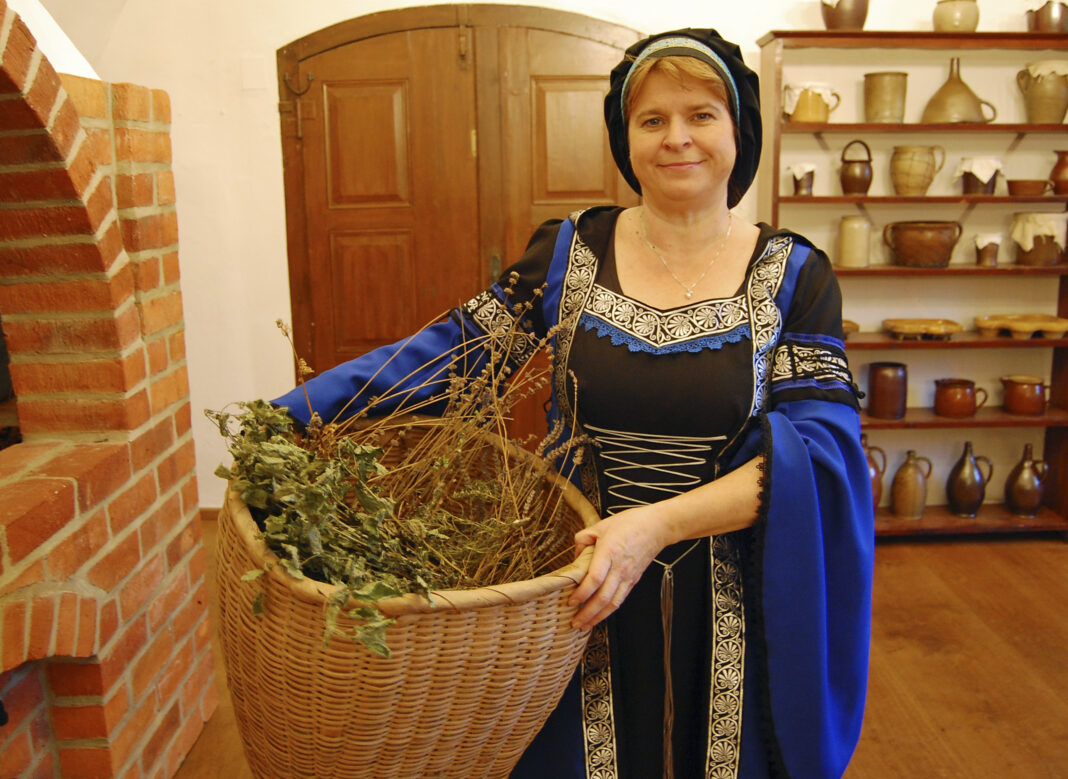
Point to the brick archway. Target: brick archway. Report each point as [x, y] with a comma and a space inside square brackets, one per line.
[105, 657]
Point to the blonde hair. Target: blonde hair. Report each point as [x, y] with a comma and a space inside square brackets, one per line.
[676, 67]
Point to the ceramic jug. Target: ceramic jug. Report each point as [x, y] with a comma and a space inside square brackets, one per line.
[956, 15]
[844, 14]
[1026, 485]
[887, 390]
[1044, 85]
[908, 492]
[1059, 174]
[1024, 394]
[855, 174]
[966, 485]
[876, 469]
[913, 168]
[1051, 17]
[955, 102]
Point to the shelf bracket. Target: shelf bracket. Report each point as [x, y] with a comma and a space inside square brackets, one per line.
[821, 141]
[1016, 142]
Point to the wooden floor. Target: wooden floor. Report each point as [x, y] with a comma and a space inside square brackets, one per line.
[969, 665]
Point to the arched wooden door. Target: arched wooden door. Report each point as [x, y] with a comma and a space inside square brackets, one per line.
[422, 147]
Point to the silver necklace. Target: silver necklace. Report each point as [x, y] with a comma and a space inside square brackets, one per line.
[687, 289]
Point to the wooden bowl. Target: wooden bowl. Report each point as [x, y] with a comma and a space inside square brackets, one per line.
[925, 329]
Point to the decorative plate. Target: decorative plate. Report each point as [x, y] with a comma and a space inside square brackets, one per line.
[1021, 326]
[925, 329]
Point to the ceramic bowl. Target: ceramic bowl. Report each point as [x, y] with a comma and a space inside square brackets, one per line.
[1028, 187]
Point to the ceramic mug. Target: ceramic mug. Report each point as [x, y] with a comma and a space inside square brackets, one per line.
[887, 390]
[958, 398]
[1024, 395]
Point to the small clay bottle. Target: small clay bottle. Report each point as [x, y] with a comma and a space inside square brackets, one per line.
[1026, 485]
[875, 469]
[908, 492]
[966, 485]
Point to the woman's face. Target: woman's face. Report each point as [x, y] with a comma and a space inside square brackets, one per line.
[681, 138]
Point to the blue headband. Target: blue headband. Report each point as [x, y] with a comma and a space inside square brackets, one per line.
[686, 47]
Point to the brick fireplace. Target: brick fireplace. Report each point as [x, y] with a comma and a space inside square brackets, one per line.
[106, 666]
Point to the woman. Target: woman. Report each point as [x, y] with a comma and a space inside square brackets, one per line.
[709, 369]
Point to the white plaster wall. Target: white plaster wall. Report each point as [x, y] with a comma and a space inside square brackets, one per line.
[216, 60]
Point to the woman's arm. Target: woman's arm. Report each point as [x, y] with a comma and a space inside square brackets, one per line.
[624, 544]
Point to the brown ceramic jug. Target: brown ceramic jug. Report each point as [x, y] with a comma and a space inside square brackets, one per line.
[1026, 485]
[876, 469]
[966, 485]
[1045, 97]
[958, 398]
[1051, 17]
[908, 492]
[1059, 174]
[1024, 395]
[856, 174]
[887, 389]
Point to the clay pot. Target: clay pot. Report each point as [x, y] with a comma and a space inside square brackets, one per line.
[956, 15]
[966, 485]
[1059, 174]
[908, 491]
[884, 97]
[1024, 395]
[921, 244]
[876, 469]
[846, 15]
[1052, 17]
[958, 398]
[855, 175]
[887, 389]
[854, 242]
[1045, 97]
[913, 168]
[973, 185]
[1026, 485]
[1028, 187]
[955, 102]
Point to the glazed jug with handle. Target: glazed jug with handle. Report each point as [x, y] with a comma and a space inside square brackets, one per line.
[876, 469]
[908, 492]
[913, 168]
[1026, 485]
[966, 485]
[1044, 85]
[955, 102]
[855, 174]
[1059, 173]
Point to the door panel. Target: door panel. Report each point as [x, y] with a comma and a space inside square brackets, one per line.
[390, 189]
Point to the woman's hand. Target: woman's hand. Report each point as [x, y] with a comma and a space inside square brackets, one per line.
[623, 546]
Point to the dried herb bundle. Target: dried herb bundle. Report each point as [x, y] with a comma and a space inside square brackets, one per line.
[392, 504]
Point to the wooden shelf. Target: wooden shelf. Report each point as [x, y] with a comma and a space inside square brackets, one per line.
[965, 340]
[909, 39]
[876, 200]
[925, 418]
[955, 269]
[992, 518]
[820, 128]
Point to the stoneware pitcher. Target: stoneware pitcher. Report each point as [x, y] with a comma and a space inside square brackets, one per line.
[908, 492]
[966, 485]
[913, 168]
[955, 102]
[1026, 485]
[1044, 86]
[876, 469]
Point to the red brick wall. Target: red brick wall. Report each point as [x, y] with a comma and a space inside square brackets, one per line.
[105, 656]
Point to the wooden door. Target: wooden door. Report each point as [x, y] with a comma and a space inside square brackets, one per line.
[428, 146]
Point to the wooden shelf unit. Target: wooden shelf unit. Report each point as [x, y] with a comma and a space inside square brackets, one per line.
[992, 518]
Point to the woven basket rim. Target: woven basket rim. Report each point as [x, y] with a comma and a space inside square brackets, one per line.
[314, 591]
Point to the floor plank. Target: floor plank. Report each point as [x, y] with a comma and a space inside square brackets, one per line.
[968, 665]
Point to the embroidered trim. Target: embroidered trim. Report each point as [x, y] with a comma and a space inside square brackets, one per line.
[765, 317]
[598, 721]
[620, 338]
[728, 660]
[659, 329]
[798, 365]
[496, 319]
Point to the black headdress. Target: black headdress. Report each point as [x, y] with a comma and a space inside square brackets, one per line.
[743, 88]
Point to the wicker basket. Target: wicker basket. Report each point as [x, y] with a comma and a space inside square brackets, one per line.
[472, 677]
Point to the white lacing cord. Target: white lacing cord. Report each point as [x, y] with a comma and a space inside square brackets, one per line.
[675, 454]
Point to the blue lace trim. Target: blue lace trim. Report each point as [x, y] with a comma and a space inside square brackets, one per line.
[634, 344]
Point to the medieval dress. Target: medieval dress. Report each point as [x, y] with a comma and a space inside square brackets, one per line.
[767, 629]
